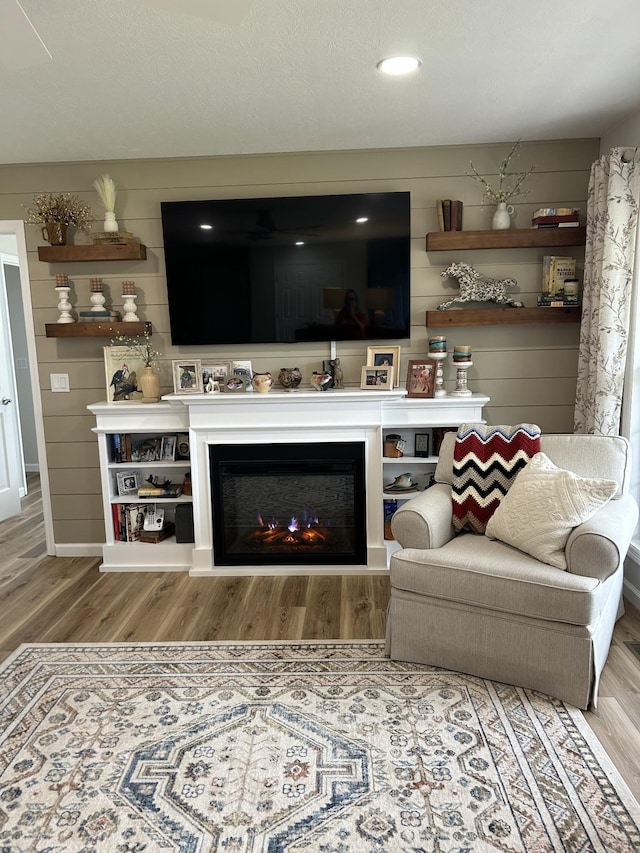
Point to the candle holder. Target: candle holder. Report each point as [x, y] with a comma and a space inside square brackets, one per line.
[129, 307]
[64, 306]
[461, 389]
[96, 299]
[439, 357]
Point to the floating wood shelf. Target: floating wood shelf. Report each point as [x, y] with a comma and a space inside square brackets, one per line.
[502, 316]
[96, 330]
[520, 238]
[97, 252]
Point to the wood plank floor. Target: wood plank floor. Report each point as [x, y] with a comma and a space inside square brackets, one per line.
[64, 600]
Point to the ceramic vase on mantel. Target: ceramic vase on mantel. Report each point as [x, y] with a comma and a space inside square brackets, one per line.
[149, 384]
[502, 217]
[110, 221]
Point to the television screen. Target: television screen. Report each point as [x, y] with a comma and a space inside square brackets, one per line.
[276, 270]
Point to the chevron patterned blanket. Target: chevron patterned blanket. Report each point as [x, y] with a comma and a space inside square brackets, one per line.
[486, 460]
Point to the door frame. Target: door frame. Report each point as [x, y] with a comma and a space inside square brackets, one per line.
[15, 227]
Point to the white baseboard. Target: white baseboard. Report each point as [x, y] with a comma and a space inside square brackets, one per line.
[79, 549]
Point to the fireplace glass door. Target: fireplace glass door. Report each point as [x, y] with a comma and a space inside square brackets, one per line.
[288, 504]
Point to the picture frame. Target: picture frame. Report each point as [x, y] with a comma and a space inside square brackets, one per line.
[422, 441]
[384, 356]
[234, 384]
[183, 449]
[127, 483]
[168, 448]
[122, 368]
[376, 378]
[187, 376]
[243, 368]
[421, 377]
[214, 374]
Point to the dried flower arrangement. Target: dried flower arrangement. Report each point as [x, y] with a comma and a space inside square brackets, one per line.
[106, 190]
[64, 208]
[509, 183]
[141, 346]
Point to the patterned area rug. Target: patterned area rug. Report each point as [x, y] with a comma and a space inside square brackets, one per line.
[239, 747]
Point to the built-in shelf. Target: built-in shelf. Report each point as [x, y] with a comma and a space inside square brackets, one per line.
[96, 330]
[97, 252]
[502, 316]
[517, 238]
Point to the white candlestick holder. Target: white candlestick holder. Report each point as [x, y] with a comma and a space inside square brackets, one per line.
[129, 308]
[64, 306]
[461, 389]
[97, 300]
[439, 357]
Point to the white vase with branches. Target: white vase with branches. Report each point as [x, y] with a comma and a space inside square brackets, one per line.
[106, 190]
[509, 187]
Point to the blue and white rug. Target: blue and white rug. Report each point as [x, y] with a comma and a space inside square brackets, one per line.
[328, 747]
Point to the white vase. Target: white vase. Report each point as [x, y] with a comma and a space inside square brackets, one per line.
[110, 221]
[502, 217]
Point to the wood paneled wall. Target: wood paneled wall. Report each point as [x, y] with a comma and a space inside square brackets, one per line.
[528, 371]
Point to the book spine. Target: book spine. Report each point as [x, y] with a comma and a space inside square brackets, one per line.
[572, 217]
[446, 208]
[440, 214]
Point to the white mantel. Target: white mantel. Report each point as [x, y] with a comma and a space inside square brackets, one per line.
[304, 416]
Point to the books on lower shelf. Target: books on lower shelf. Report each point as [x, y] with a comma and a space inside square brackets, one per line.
[170, 490]
[555, 269]
[128, 520]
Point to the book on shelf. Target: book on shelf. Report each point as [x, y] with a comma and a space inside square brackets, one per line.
[555, 211]
[449, 214]
[575, 224]
[558, 301]
[555, 219]
[158, 535]
[128, 521]
[170, 490]
[555, 269]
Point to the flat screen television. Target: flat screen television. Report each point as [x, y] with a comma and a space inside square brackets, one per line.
[283, 270]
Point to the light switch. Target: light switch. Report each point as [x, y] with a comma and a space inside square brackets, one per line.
[59, 382]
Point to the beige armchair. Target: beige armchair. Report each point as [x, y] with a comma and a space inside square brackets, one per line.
[472, 604]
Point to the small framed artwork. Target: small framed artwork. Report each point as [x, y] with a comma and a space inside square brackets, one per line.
[234, 383]
[214, 374]
[122, 367]
[187, 377]
[383, 357]
[422, 443]
[421, 377]
[127, 483]
[183, 451]
[243, 368]
[168, 448]
[377, 378]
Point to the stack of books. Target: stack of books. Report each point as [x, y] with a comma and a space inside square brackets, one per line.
[556, 217]
[168, 490]
[449, 214]
[101, 316]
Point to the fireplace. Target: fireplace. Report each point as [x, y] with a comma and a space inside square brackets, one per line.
[288, 504]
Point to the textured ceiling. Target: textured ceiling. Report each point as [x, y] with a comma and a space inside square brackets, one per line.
[128, 79]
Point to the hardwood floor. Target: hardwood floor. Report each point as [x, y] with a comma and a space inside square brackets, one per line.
[62, 600]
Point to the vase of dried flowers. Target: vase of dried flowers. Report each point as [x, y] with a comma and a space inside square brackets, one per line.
[502, 217]
[54, 214]
[509, 187]
[106, 190]
[149, 384]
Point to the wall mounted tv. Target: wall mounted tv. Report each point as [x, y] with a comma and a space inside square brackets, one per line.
[286, 270]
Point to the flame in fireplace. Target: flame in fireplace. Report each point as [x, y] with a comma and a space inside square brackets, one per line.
[306, 532]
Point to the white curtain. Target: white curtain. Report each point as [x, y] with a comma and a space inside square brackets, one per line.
[612, 219]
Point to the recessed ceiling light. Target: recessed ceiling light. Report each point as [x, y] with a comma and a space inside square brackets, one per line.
[299, 242]
[362, 219]
[399, 64]
[206, 227]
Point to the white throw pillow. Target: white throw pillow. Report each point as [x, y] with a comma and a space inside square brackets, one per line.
[543, 506]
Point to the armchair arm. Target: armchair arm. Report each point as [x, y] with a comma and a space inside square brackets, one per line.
[425, 521]
[597, 548]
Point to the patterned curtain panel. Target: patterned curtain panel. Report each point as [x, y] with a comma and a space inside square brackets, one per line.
[612, 218]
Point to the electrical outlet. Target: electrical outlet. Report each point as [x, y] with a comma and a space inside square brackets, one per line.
[59, 382]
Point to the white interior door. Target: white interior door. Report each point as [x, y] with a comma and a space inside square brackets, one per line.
[11, 456]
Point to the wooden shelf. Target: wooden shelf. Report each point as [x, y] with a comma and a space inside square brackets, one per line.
[96, 330]
[520, 238]
[97, 252]
[502, 316]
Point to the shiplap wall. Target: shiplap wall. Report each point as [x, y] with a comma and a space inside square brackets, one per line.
[528, 371]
